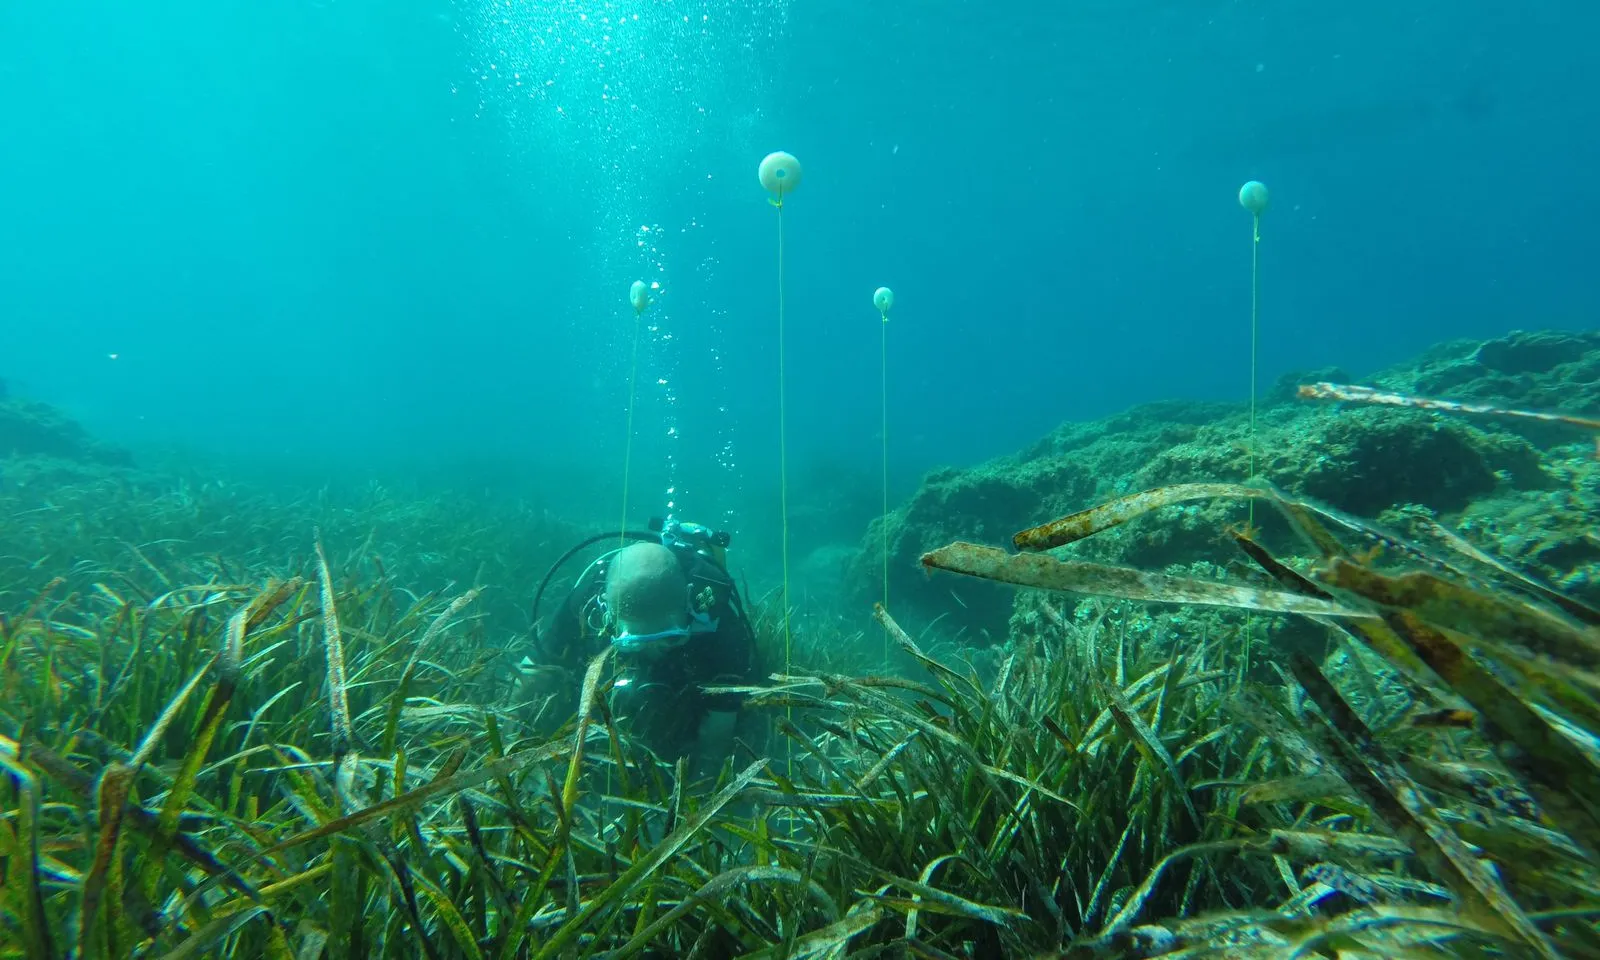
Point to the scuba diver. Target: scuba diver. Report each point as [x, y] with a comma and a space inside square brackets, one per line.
[665, 603]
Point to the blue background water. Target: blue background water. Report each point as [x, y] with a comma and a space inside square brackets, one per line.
[367, 237]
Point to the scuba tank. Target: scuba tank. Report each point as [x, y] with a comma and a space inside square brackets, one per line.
[704, 555]
[697, 538]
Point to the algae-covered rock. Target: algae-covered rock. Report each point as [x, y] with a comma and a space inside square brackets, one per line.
[1547, 371]
[1553, 533]
[43, 474]
[1361, 459]
[32, 429]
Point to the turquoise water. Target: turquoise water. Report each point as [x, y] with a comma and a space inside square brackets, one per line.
[344, 238]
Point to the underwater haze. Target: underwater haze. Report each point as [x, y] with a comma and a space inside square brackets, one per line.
[351, 239]
[1136, 495]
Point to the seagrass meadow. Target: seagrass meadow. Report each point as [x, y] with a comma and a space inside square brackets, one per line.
[233, 726]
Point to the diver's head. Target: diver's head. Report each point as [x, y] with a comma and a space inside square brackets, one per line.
[647, 598]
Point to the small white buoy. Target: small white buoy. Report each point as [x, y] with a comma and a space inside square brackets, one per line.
[1253, 197]
[780, 173]
[883, 299]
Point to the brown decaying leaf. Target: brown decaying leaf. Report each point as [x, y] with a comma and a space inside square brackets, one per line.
[1104, 516]
[1048, 573]
[1350, 393]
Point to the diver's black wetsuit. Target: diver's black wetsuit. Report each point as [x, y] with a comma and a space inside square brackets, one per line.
[663, 696]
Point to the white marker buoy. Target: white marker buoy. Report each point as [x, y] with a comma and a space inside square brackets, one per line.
[779, 173]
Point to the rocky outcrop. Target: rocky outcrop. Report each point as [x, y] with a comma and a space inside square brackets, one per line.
[1527, 490]
[30, 429]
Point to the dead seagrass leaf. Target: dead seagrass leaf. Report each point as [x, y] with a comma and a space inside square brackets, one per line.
[1088, 522]
[1352, 393]
[1457, 606]
[1048, 573]
[1543, 591]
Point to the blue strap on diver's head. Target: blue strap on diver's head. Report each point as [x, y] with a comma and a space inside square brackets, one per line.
[669, 639]
[660, 640]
